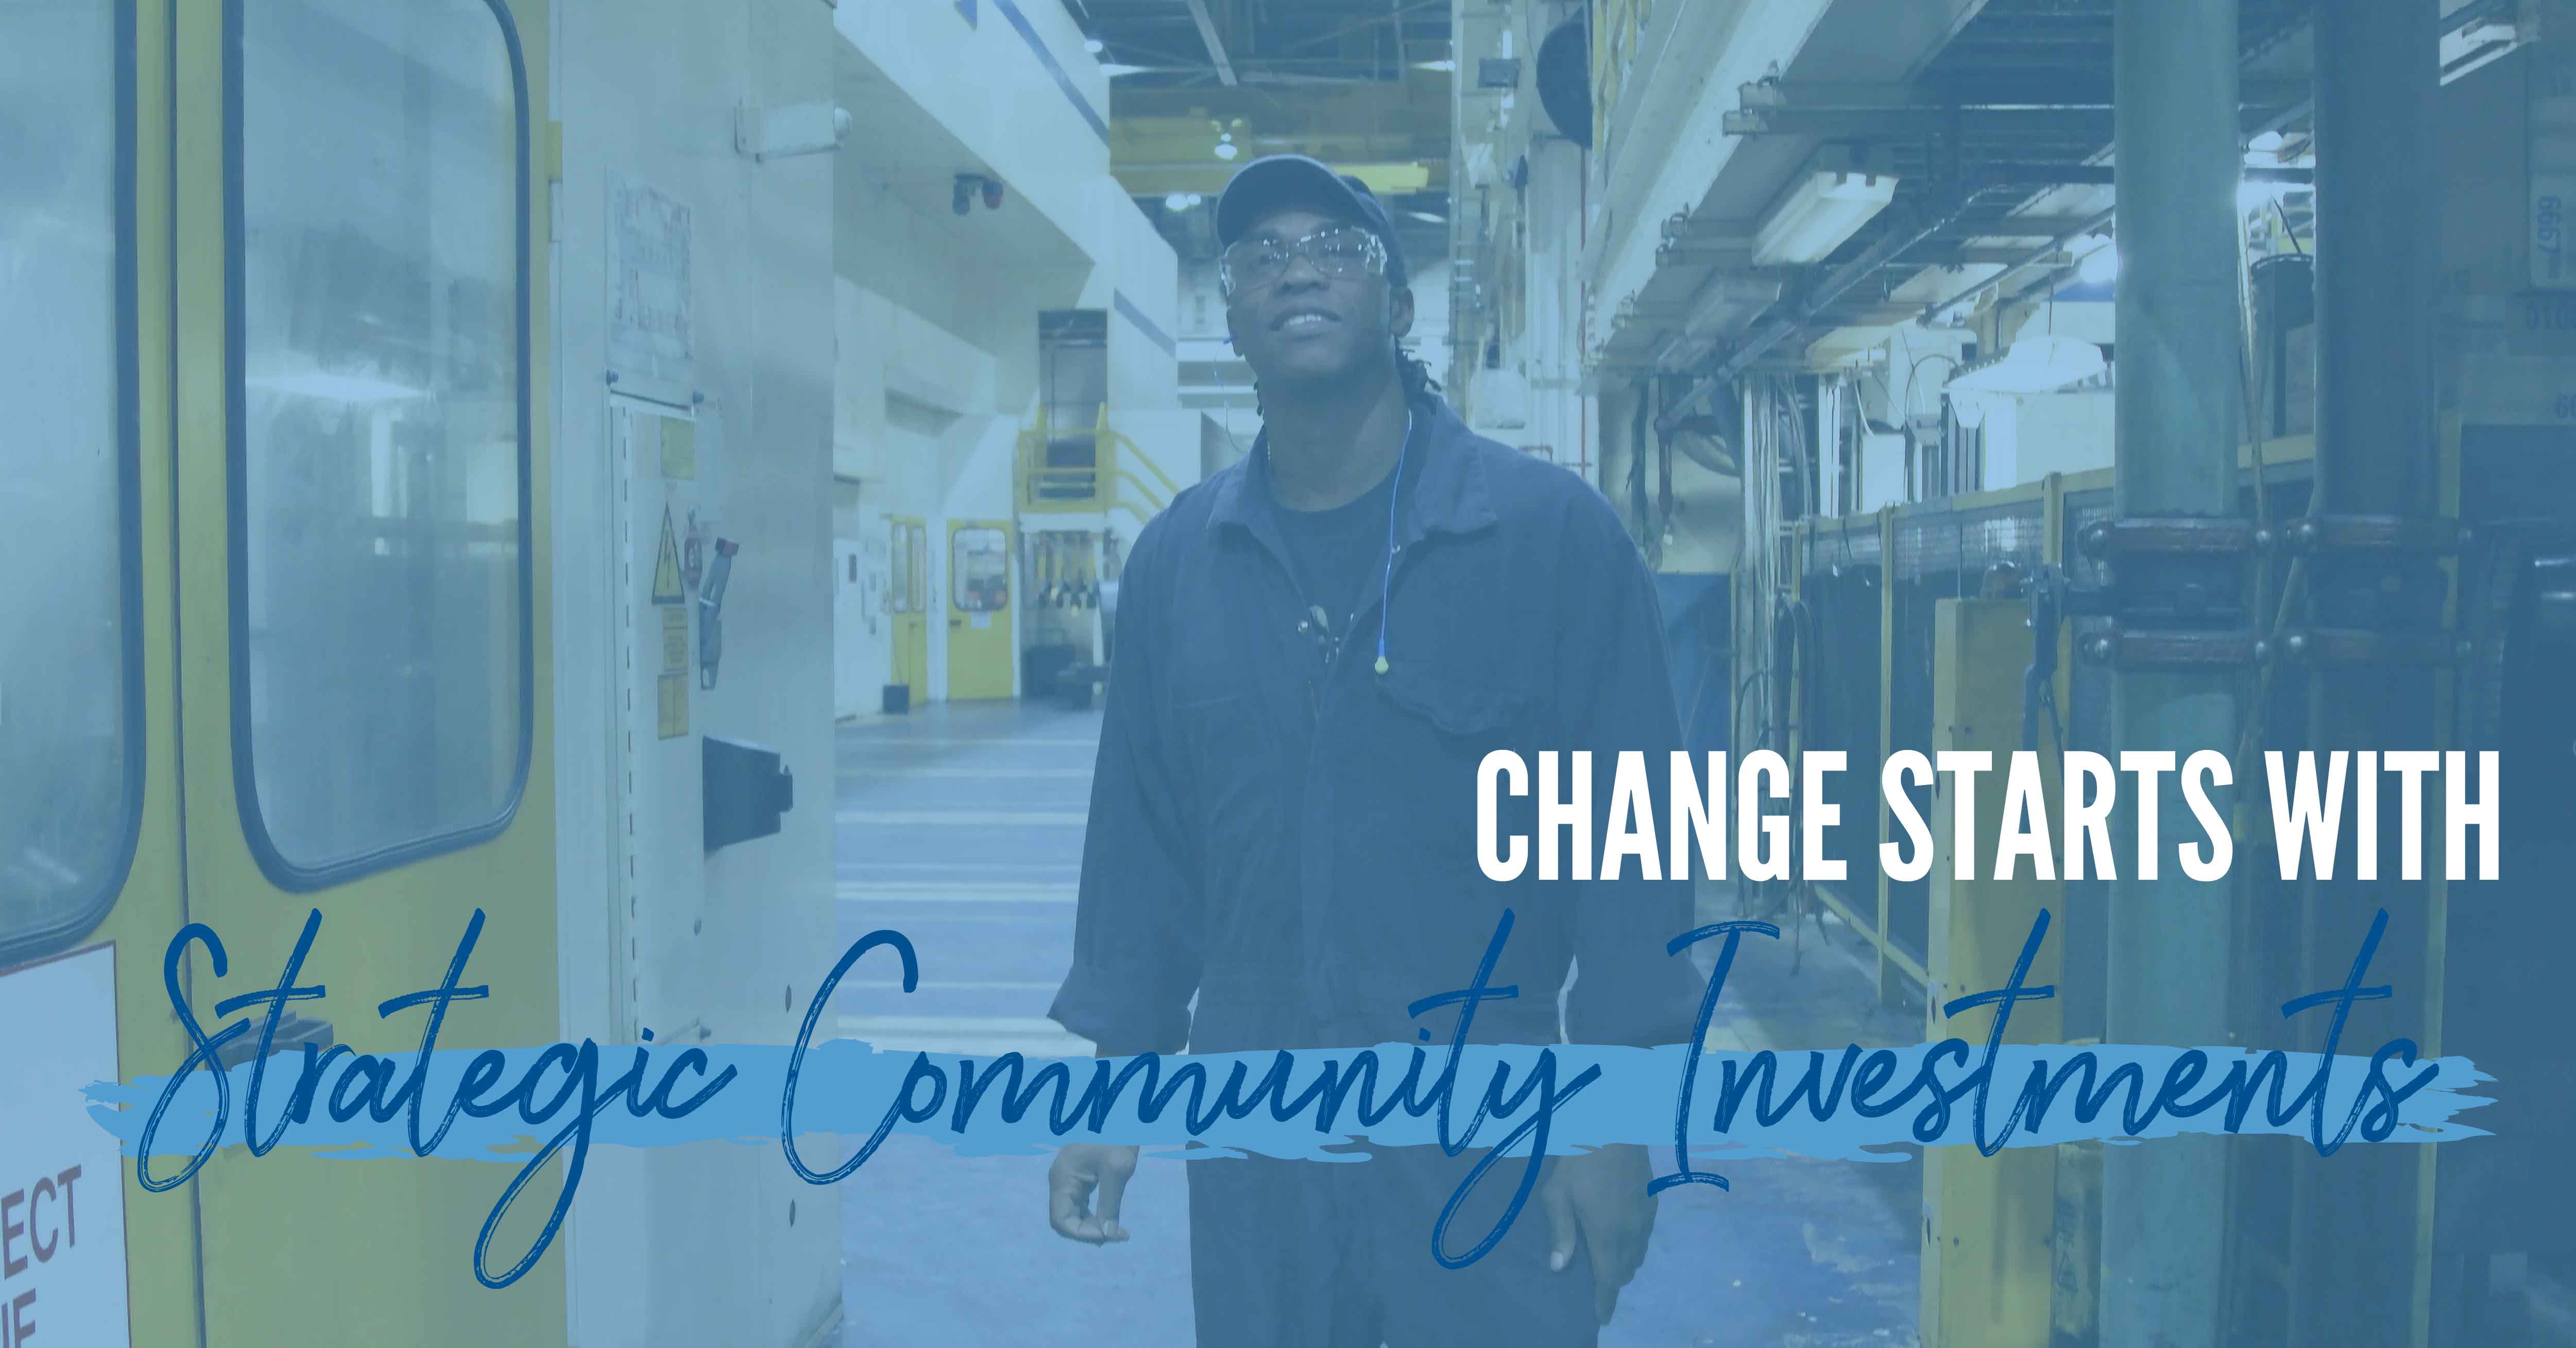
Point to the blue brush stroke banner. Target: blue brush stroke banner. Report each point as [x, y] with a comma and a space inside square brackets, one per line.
[531, 1105]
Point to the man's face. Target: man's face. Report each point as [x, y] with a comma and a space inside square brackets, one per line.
[1305, 326]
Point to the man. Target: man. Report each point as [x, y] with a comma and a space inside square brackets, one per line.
[1315, 650]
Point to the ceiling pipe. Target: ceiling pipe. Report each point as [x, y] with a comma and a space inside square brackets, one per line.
[1879, 253]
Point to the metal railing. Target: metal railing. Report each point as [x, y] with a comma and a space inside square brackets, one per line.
[1089, 470]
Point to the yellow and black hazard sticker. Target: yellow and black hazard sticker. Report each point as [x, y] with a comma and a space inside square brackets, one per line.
[666, 565]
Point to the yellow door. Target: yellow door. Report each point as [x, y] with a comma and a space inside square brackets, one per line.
[911, 607]
[979, 609]
[90, 882]
[362, 614]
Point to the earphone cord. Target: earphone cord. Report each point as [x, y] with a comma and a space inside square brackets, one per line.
[1386, 579]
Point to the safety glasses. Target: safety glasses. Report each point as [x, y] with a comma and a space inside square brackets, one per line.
[1338, 252]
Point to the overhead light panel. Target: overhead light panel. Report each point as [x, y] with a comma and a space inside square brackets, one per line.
[1818, 213]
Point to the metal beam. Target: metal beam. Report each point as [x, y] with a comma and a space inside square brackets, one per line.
[1400, 11]
[2058, 92]
[1910, 122]
[1215, 44]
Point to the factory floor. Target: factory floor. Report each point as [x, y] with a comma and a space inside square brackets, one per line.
[961, 825]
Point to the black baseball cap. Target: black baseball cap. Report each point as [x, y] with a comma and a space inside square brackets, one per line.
[1280, 180]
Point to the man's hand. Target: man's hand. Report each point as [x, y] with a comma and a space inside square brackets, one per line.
[1083, 1168]
[1602, 1196]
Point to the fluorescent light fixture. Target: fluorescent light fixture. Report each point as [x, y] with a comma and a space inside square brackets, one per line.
[1817, 213]
[1443, 65]
[1225, 149]
[2101, 266]
[1094, 46]
[1113, 70]
[1728, 304]
[2034, 365]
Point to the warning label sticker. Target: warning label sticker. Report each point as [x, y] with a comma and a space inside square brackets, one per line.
[679, 448]
[666, 565]
[673, 720]
[675, 641]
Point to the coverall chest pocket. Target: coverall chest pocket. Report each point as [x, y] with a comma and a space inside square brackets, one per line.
[1435, 727]
[1452, 705]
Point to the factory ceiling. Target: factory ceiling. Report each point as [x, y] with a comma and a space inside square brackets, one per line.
[1201, 86]
[2001, 149]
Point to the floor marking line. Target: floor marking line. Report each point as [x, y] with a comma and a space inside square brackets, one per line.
[1068, 867]
[865, 774]
[962, 985]
[935, 891]
[975, 741]
[965, 818]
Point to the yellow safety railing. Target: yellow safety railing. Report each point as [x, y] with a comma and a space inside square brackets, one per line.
[1094, 469]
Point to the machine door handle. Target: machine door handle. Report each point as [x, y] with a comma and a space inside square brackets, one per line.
[293, 1033]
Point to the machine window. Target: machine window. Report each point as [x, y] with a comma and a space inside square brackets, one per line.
[980, 570]
[71, 662]
[381, 689]
[900, 584]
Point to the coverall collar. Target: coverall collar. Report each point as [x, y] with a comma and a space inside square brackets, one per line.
[1447, 495]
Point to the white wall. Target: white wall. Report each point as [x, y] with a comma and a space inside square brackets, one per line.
[2030, 437]
[936, 314]
[985, 85]
[919, 431]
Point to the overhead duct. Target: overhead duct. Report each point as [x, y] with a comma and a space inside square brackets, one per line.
[1727, 305]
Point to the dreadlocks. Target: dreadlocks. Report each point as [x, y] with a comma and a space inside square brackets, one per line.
[1418, 383]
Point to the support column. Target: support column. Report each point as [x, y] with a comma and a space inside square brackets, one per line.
[2355, 1273]
[2178, 155]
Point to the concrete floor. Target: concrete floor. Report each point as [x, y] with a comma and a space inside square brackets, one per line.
[962, 826]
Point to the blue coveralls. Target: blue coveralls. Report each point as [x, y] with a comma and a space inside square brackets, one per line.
[1290, 837]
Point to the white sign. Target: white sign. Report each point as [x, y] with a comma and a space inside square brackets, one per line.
[650, 342]
[62, 1190]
